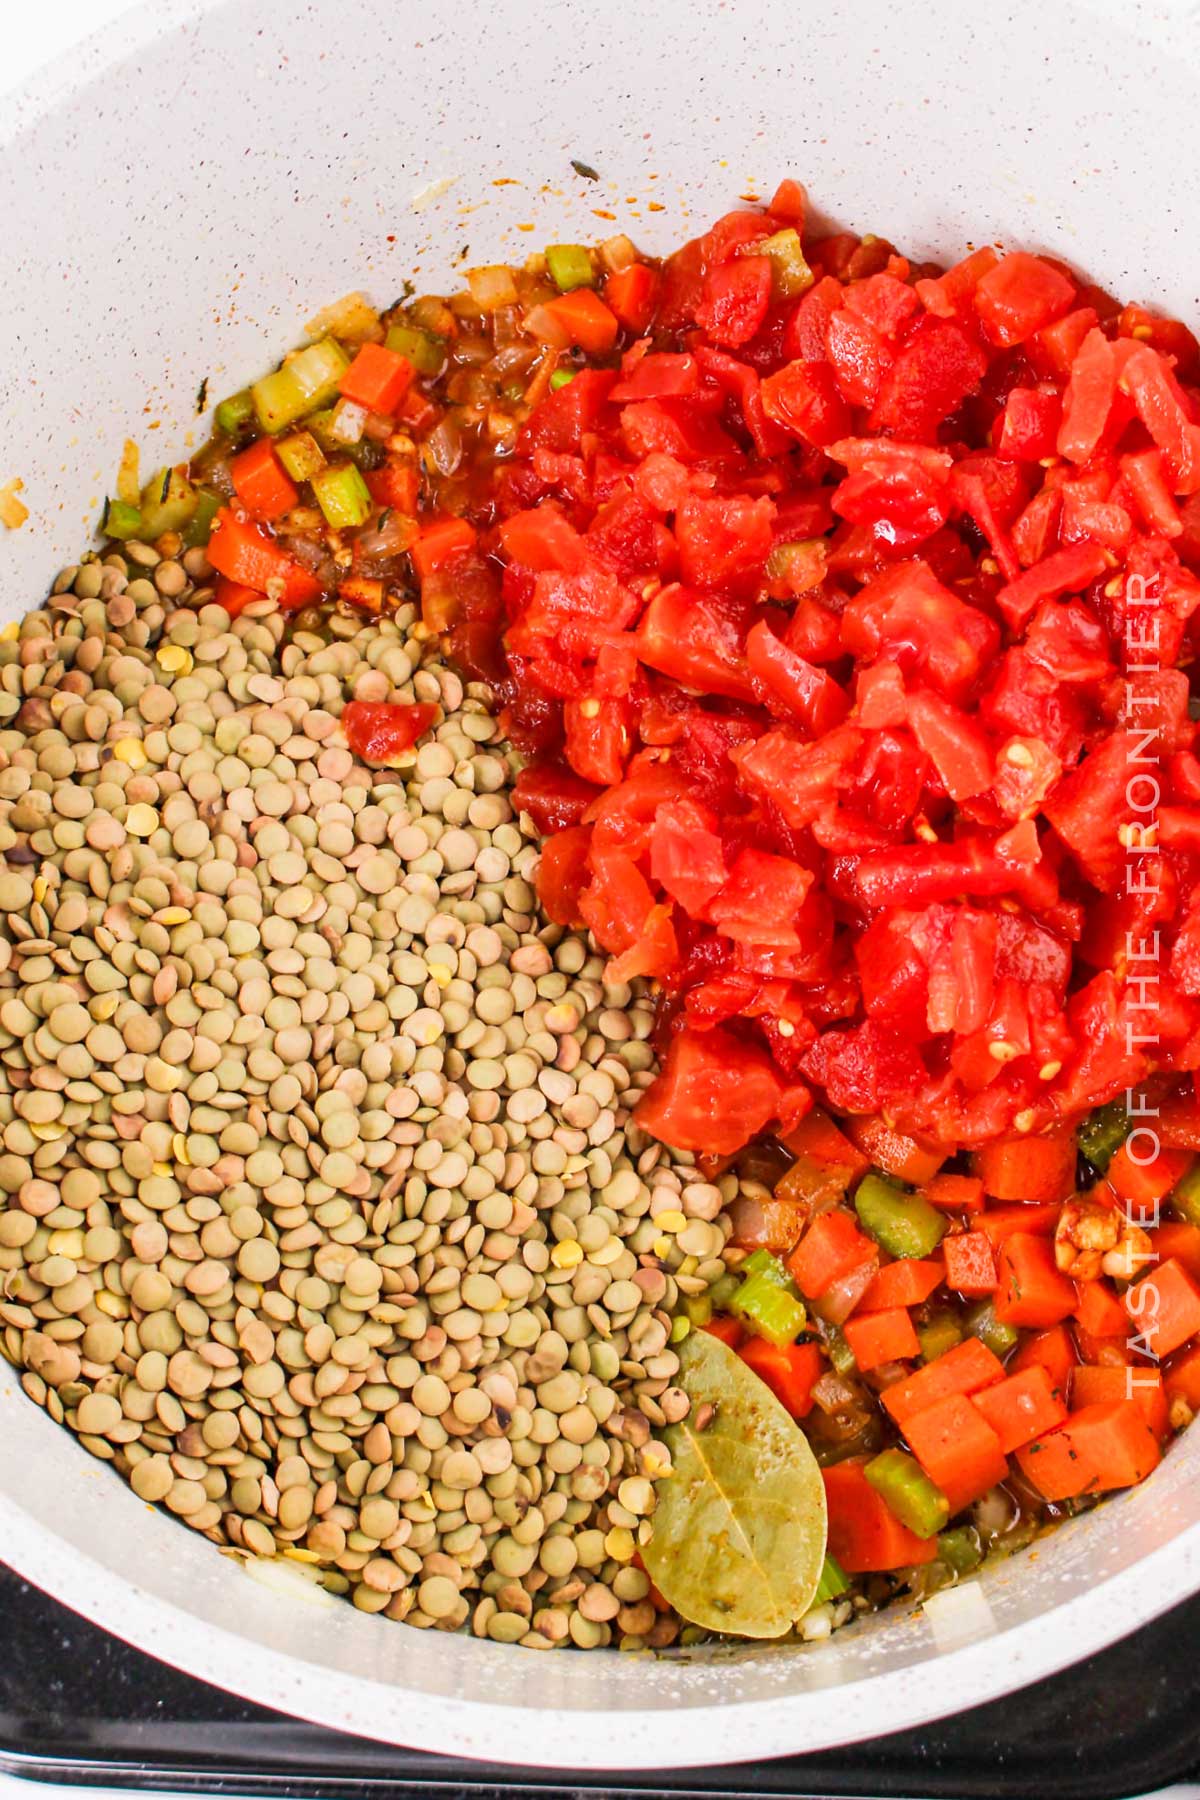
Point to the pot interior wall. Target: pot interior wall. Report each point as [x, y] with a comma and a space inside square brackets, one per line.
[178, 201]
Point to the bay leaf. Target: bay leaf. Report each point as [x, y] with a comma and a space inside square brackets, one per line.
[739, 1525]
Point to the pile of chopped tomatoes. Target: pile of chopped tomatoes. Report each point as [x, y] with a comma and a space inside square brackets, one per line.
[846, 618]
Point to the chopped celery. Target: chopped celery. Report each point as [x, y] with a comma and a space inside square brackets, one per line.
[570, 266]
[1103, 1132]
[698, 1308]
[766, 1300]
[902, 1224]
[235, 412]
[769, 1310]
[121, 520]
[938, 1335]
[199, 527]
[1184, 1197]
[907, 1492]
[841, 1356]
[560, 378]
[342, 495]
[301, 455]
[960, 1549]
[761, 1262]
[424, 349]
[790, 274]
[307, 381]
[168, 501]
[983, 1324]
[834, 1581]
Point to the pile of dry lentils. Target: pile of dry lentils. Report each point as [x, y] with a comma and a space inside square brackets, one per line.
[321, 1216]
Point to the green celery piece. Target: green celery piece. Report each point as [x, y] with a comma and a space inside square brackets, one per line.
[570, 267]
[424, 350]
[769, 1310]
[198, 529]
[342, 495]
[236, 411]
[168, 501]
[983, 1324]
[902, 1224]
[940, 1334]
[121, 520]
[1184, 1197]
[790, 273]
[301, 455]
[907, 1492]
[841, 1356]
[762, 1262]
[308, 381]
[560, 378]
[834, 1581]
[1103, 1132]
[961, 1549]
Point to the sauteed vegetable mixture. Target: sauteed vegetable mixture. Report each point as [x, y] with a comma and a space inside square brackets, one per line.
[817, 628]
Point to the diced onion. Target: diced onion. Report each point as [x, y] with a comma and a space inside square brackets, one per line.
[492, 287]
[842, 1296]
[832, 1391]
[346, 426]
[618, 252]
[541, 324]
[352, 318]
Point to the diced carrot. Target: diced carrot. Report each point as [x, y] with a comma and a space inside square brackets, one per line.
[1164, 1307]
[585, 319]
[378, 378]
[1103, 1446]
[789, 1370]
[1141, 1184]
[1181, 1241]
[439, 543]
[957, 1449]
[728, 1330]
[1032, 1291]
[1099, 1310]
[954, 1193]
[1028, 1168]
[864, 1534]
[817, 1136]
[1102, 1350]
[261, 482]
[396, 483]
[1092, 1384]
[905, 1157]
[908, 1282]
[881, 1337]
[970, 1262]
[1050, 1350]
[632, 294]
[248, 556]
[1001, 1222]
[1182, 1377]
[963, 1370]
[1021, 1407]
[829, 1249]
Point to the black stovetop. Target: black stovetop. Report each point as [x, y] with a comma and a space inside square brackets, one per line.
[79, 1706]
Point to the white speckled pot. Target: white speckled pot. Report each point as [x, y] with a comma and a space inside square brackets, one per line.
[185, 190]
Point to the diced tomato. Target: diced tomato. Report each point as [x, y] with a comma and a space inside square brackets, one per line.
[715, 1093]
[735, 299]
[789, 1370]
[381, 733]
[805, 399]
[1021, 295]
